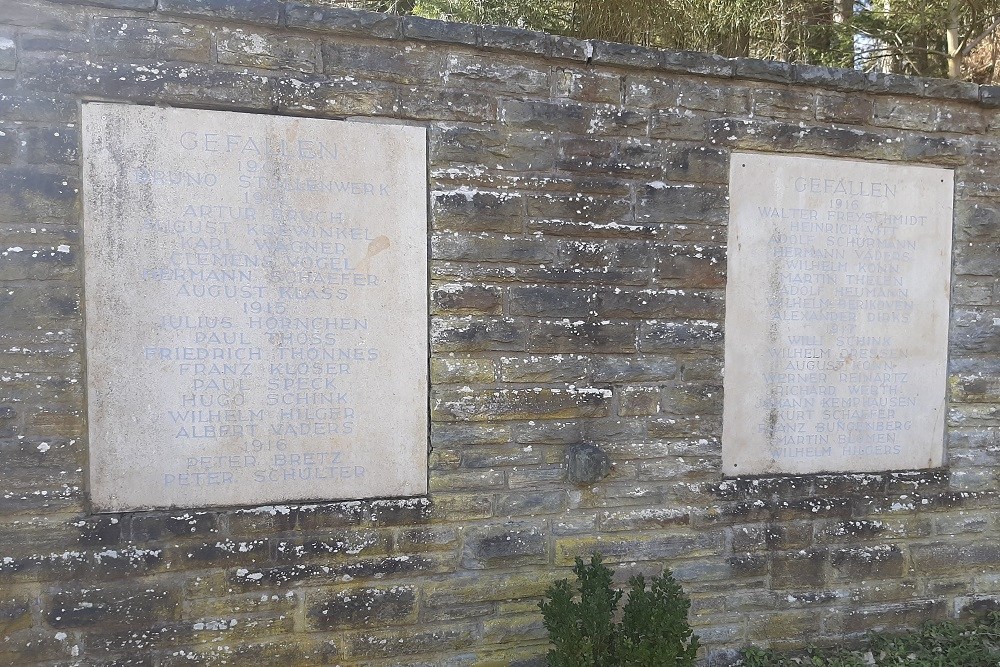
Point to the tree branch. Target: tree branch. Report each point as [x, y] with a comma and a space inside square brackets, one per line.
[976, 41]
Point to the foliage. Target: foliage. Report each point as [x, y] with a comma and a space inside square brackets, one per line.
[653, 630]
[957, 38]
[936, 644]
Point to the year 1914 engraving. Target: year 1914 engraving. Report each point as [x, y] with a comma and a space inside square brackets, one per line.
[836, 315]
[256, 308]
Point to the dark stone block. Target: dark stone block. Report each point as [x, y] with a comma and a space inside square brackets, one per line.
[610, 369]
[113, 4]
[26, 301]
[805, 569]
[615, 53]
[989, 95]
[650, 303]
[764, 70]
[664, 336]
[865, 563]
[703, 268]
[258, 11]
[30, 193]
[492, 248]
[44, 16]
[477, 210]
[467, 299]
[9, 144]
[724, 657]
[516, 39]
[496, 75]
[47, 144]
[550, 302]
[700, 164]
[978, 607]
[505, 545]
[98, 530]
[137, 37]
[383, 62]
[337, 97]
[587, 463]
[696, 62]
[343, 20]
[950, 89]
[748, 565]
[401, 512]
[774, 135]
[973, 331]
[411, 642]
[545, 115]
[150, 526]
[15, 613]
[8, 53]
[894, 83]
[416, 27]
[569, 48]
[35, 106]
[435, 104]
[227, 552]
[363, 606]
[133, 606]
[582, 335]
[519, 404]
[659, 202]
[830, 77]
[481, 334]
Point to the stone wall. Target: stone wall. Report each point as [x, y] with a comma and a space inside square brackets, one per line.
[578, 203]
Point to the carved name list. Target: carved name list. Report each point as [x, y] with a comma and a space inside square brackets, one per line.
[837, 306]
[256, 308]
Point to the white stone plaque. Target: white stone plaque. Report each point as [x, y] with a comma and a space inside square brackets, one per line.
[837, 306]
[256, 308]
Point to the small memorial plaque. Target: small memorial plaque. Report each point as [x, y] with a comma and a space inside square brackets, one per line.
[256, 308]
[837, 306]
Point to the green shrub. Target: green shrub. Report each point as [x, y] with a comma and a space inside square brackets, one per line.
[653, 630]
[935, 644]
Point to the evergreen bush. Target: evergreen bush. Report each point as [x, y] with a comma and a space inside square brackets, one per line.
[653, 630]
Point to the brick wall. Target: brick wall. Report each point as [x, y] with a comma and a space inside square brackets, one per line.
[578, 209]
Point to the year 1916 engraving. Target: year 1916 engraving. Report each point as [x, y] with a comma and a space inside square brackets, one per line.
[836, 315]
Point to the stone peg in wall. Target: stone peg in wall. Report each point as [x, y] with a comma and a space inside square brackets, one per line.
[587, 463]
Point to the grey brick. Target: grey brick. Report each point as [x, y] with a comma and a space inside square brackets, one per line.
[342, 20]
[416, 27]
[259, 11]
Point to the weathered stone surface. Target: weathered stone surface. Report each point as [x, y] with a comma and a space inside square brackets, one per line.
[265, 11]
[416, 27]
[820, 329]
[138, 37]
[587, 464]
[209, 333]
[342, 20]
[577, 270]
[376, 607]
[8, 52]
[385, 62]
[256, 49]
[508, 38]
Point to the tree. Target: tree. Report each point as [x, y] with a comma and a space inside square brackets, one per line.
[954, 38]
[924, 38]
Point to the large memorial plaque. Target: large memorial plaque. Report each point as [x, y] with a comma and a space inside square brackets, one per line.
[256, 308]
[837, 308]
